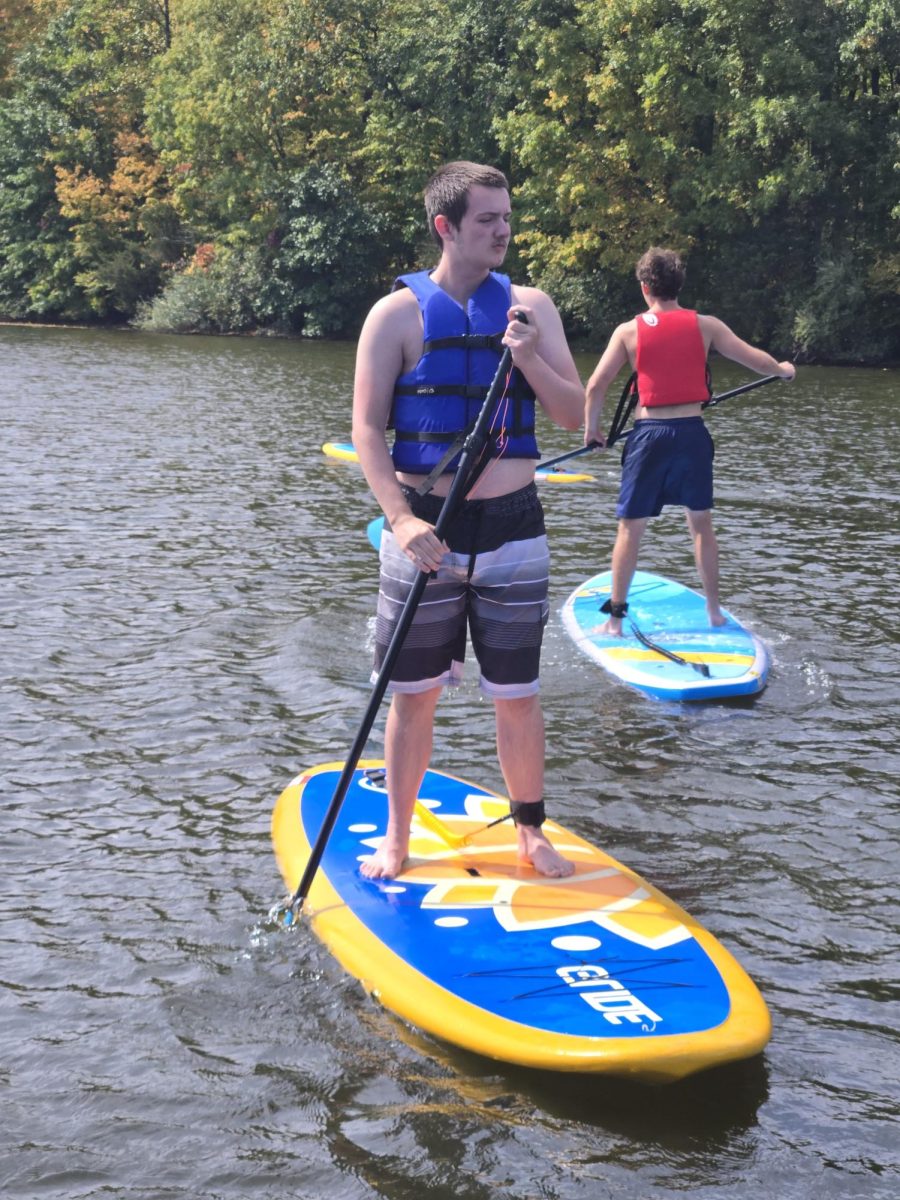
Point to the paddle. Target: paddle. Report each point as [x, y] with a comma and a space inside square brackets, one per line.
[675, 658]
[624, 408]
[554, 462]
[629, 398]
[747, 387]
[620, 419]
[468, 461]
[432, 822]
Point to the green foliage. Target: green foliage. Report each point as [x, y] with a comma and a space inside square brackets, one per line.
[236, 164]
[314, 276]
[217, 297]
[36, 264]
[753, 134]
[20, 23]
[328, 257]
[84, 223]
[848, 316]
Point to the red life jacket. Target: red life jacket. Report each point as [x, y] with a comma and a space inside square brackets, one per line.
[671, 359]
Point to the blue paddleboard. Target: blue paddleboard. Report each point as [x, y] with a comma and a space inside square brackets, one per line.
[374, 530]
[674, 618]
[346, 452]
[599, 972]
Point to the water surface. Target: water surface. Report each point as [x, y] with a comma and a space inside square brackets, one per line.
[186, 599]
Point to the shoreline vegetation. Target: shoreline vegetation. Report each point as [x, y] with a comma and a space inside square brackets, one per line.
[578, 346]
[255, 167]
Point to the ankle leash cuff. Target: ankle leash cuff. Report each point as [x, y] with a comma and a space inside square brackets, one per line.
[529, 813]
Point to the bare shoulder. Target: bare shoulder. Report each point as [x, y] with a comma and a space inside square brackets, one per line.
[717, 334]
[546, 315]
[396, 309]
[532, 297]
[393, 328]
[625, 335]
[711, 326]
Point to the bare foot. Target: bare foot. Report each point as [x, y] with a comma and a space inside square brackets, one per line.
[387, 861]
[717, 618]
[612, 627]
[536, 849]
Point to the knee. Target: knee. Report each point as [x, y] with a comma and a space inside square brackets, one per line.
[700, 523]
[517, 708]
[631, 530]
[409, 705]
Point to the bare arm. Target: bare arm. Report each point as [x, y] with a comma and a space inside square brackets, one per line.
[719, 337]
[613, 359]
[379, 362]
[541, 352]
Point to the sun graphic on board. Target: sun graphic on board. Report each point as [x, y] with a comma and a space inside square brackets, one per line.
[487, 873]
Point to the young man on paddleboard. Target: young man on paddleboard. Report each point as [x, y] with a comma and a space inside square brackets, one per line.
[426, 357]
[668, 458]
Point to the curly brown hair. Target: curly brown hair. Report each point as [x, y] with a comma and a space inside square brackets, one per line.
[661, 272]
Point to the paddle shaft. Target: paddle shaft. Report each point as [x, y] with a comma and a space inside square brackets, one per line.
[629, 400]
[468, 460]
[747, 387]
[616, 433]
[554, 462]
[700, 668]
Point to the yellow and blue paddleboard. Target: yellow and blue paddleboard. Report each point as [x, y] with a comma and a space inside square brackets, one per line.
[346, 452]
[342, 450]
[599, 972]
[674, 618]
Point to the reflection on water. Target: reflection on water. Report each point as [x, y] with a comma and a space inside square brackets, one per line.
[186, 602]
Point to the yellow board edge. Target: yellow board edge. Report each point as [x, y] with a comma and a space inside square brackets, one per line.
[340, 451]
[394, 983]
[335, 450]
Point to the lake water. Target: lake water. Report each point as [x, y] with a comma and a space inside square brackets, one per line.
[186, 602]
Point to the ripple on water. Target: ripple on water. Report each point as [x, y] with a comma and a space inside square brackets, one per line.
[186, 602]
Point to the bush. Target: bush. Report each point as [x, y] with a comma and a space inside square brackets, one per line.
[216, 293]
[318, 273]
[332, 254]
[848, 316]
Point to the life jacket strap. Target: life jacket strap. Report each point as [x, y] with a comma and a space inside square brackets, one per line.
[413, 435]
[466, 341]
[470, 391]
[438, 469]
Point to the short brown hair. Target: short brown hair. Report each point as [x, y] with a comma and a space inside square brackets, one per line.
[661, 272]
[447, 191]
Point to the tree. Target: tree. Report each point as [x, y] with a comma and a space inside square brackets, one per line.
[748, 131]
[78, 235]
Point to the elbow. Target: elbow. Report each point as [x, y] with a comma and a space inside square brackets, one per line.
[359, 433]
[575, 412]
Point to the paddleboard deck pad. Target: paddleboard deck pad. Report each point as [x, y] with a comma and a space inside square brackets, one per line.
[674, 618]
[346, 453]
[599, 972]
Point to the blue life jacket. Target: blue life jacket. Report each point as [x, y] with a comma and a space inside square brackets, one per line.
[438, 401]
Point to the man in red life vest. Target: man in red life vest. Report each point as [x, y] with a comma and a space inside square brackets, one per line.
[668, 458]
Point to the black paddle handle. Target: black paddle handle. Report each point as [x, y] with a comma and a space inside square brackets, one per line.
[471, 452]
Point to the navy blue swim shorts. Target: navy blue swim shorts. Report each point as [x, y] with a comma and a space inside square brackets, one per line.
[666, 462]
